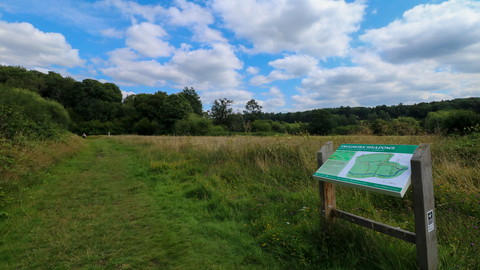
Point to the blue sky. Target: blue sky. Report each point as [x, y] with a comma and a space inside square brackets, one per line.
[289, 55]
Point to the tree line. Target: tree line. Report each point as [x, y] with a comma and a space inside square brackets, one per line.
[94, 107]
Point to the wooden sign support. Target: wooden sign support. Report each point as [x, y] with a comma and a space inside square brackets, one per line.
[425, 236]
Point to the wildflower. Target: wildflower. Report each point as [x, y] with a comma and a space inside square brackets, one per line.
[259, 205]
[472, 244]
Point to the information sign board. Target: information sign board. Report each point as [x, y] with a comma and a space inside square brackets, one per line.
[379, 168]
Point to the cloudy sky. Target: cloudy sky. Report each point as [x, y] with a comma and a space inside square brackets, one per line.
[289, 55]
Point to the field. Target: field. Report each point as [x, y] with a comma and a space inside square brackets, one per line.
[242, 202]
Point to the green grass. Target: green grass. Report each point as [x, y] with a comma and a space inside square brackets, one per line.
[133, 202]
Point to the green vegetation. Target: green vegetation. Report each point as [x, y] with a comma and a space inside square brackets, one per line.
[23, 113]
[98, 108]
[242, 201]
[136, 202]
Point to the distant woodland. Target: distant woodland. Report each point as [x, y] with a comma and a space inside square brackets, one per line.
[35, 104]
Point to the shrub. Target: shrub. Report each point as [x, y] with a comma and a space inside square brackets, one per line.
[452, 122]
[294, 128]
[406, 126]
[277, 127]
[145, 127]
[25, 112]
[259, 125]
[217, 131]
[193, 125]
[382, 127]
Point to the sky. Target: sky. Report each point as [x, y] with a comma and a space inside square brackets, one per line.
[288, 55]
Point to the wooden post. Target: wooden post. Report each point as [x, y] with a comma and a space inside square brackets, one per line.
[328, 200]
[424, 206]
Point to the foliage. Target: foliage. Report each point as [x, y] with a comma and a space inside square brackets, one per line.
[175, 107]
[221, 111]
[252, 110]
[217, 131]
[406, 126]
[278, 127]
[193, 125]
[25, 112]
[95, 127]
[194, 99]
[322, 123]
[452, 121]
[259, 125]
[145, 127]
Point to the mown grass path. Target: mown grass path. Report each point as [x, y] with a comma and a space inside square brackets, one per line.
[95, 211]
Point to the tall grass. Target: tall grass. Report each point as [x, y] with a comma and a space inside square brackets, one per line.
[263, 188]
[22, 157]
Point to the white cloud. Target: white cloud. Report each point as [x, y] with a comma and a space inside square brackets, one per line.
[22, 44]
[146, 39]
[274, 92]
[373, 82]
[203, 69]
[253, 70]
[319, 28]
[297, 65]
[240, 97]
[132, 9]
[210, 68]
[112, 33]
[126, 94]
[186, 14]
[189, 14]
[276, 101]
[448, 33]
[292, 66]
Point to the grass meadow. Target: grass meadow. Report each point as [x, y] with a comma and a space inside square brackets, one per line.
[261, 191]
[239, 202]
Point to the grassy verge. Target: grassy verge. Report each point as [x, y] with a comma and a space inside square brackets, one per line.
[23, 160]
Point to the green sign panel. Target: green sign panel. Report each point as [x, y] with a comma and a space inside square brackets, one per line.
[374, 167]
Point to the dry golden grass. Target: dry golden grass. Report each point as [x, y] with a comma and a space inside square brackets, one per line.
[448, 164]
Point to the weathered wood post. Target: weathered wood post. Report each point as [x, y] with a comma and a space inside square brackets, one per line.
[328, 199]
[424, 207]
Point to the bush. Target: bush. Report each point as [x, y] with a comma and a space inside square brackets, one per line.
[217, 131]
[294, 128]
[259, 125]
[406, 126]
[277, 127]
[145, 127]
[193, 125]
[452, 122]
[382, 127]
[24, 112]
[460, 122]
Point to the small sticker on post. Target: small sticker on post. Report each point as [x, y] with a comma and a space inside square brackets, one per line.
[430, 220]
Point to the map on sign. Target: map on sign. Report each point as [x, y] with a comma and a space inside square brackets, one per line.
[379, 168]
